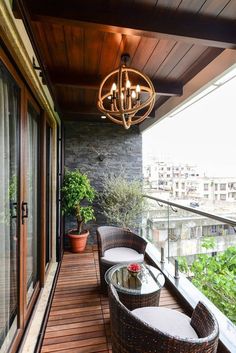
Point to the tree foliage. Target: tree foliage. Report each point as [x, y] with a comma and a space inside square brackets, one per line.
[122, 200]
[215, 276]
[77, 191]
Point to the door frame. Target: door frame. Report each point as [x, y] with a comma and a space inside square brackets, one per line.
[24, 311]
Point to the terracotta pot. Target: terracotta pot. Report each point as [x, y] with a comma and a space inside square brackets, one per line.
[78, 241]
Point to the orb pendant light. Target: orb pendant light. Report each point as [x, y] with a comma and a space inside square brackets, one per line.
[126, 95]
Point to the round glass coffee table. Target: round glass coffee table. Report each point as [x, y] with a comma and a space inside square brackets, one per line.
[136, 290]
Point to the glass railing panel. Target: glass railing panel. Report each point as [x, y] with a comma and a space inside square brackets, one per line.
[205, 249]
[154, 224]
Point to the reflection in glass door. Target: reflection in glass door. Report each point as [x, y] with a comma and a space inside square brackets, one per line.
[9, 201]
[31, 207]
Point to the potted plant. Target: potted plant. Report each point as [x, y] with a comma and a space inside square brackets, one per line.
[77, 195]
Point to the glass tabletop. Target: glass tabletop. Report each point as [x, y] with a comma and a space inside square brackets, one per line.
[147, 281]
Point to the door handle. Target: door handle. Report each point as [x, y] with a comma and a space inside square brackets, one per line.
[25, 211]
[14, 210]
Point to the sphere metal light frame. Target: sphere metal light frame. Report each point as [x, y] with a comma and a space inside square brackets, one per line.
[122, 103]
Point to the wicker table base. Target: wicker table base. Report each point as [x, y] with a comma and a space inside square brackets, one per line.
[136, 292]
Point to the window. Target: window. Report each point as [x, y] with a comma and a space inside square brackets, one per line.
[222, 197]
[206, 196]
[177, 185]
[205, 187]
[222, 186]
[183, 185]
[216, 187]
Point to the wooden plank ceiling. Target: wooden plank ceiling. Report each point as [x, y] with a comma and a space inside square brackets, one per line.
[79, 42]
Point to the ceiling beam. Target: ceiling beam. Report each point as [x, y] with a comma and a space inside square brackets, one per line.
[79, 109]
[163, 88]
[193, 28]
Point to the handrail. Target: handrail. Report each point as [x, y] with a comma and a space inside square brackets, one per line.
[193, 210]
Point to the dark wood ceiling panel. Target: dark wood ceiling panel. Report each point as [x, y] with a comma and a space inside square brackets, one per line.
[144, 51]
[41, 37]
[93, 44]
[192, 6]
[55, 38]
[158, 56]
[110, 48]
[191, 56]
[74, 42]
[168, 4]
[174, 57]
[213, 7]
[229, 11]
[129, 45]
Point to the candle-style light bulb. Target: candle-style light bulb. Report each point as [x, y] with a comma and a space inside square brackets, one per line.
[113, 90]
[122, 95]
[128, 84]
[133, 94]
[138, 92]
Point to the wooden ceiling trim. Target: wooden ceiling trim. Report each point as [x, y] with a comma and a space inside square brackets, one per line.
[90, 82]
[220, 64]
[204, 30]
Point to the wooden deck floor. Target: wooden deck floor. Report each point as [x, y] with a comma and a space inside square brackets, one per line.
[79, 316]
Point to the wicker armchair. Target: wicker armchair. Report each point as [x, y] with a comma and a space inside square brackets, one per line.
[109, 237]
[129, 334]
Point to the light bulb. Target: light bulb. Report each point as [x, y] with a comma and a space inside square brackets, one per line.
[113, 87]
[122, 95]
[128, 84]
[138, 89]
[133, 94]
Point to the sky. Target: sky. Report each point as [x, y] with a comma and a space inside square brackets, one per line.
[204, 134]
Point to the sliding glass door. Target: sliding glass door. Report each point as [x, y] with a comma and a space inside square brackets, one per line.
[31, 207]
[20, 205]
[9, 207]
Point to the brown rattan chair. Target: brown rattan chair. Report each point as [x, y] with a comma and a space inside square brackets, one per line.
[109, 237]
[129, 334]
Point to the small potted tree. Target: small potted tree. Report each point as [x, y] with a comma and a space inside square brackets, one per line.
[77, 196]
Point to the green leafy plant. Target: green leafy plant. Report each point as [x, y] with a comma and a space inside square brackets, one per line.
[215, 276]
[121, 200]
[77, 194]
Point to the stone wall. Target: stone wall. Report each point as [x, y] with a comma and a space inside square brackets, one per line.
[98, 149]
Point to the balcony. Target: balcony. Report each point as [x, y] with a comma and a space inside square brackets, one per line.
[79, 316]
[52, 60]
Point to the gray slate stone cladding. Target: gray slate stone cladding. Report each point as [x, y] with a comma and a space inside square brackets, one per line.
[98, 149]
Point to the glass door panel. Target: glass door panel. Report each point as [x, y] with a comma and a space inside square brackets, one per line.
[9, 210]
[48, 194]
[32, 192]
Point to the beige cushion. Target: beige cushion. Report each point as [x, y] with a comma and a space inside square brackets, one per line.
[167, 321]
[120, 255]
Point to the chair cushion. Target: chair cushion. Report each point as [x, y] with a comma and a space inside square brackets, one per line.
[167, 321]
[122, 254]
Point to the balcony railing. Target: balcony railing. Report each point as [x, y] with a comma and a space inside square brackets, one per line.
[175, 232]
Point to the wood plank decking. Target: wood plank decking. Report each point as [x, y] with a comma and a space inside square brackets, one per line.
[79, 316]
